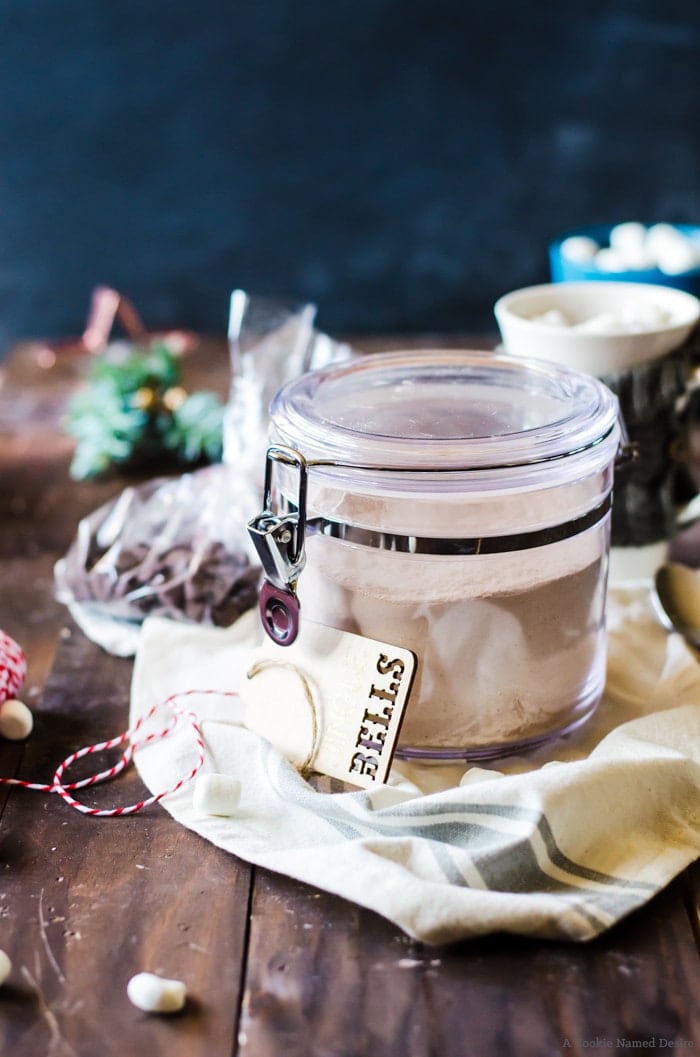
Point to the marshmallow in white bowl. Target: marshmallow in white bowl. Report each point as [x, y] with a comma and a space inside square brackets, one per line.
[600, 327]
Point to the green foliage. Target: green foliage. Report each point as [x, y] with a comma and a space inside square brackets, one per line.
[132, 412]
[195, 429]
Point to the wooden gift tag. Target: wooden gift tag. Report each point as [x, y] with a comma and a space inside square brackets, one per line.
[332, 701]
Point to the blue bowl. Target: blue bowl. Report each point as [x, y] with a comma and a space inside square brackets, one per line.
[563, 270]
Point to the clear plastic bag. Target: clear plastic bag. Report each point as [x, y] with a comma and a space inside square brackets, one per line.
[270, 343]
[176, 548]
[179, 547]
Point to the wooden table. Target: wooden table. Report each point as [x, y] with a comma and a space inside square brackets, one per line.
[272, 966]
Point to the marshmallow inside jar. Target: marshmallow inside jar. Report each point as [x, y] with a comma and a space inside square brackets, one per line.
[601, 327]
[458, 505]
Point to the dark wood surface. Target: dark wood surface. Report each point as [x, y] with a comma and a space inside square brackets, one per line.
[273, 967]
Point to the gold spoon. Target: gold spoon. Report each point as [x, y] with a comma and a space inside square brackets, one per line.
[677, 600]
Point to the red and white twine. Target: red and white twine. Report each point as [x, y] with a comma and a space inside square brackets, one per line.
[176, 717]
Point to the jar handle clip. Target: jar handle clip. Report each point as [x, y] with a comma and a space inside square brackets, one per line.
[279, 542]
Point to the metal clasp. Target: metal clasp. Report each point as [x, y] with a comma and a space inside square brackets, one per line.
[279, 541]
[627, 450]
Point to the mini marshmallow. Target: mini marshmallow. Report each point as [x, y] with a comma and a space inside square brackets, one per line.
[676, 257]
[603, 323]
[660, 235]
[644, 316]
[673, 251]
[478, 774]
[639, 259]
[390, 795]
[16, 721]
[5, 967]
[156, 994]
[216, 794]
[627, 319]
[609, 260]
[628, 239]
[554, 317]
[634, 247]
[579, 249]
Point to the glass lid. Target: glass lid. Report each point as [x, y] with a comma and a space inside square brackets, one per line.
[442, 410]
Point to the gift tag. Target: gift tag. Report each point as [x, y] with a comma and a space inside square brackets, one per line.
[331, 702]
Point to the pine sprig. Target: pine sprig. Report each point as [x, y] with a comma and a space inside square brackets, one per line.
[133, 411]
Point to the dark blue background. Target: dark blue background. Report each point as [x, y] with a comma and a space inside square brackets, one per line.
[401, 163]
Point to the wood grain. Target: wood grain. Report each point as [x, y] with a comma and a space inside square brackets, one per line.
[327, 978]
[86, 903]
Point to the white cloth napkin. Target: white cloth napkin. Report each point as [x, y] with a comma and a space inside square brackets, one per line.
[561, 844]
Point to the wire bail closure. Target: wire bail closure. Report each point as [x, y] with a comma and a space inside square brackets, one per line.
[279, 542]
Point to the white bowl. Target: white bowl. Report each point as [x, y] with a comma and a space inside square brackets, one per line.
[597, 352]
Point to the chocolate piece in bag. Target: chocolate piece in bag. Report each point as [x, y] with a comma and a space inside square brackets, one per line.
[175, 548]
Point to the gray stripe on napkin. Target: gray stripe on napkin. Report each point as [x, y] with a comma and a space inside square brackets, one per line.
[410, 812]
[525, 875]
[503, 861]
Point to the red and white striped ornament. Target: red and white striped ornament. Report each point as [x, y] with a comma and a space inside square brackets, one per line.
[13, 667]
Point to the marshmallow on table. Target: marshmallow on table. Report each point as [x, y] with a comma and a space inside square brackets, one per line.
[5, 967]
[16, 721]
[156, 994]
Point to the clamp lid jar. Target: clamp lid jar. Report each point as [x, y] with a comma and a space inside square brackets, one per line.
[457, 504]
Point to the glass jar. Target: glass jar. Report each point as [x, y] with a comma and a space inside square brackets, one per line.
[457, 504]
